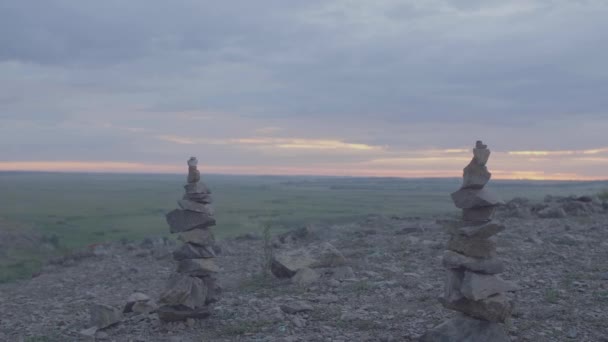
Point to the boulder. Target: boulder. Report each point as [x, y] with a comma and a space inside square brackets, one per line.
[200, 237]
[180, 313]
[476, 286]
[474, 198]
[144, 307]
[305, 276]
[496, 308]
[453, 260]
[467, 329]
[183, 290]
[552, 212]
[478, 248]
[184, 220]
[190, 251]
[103, 316]
[197, 267]
[286, 263]
[195, 206]
[134, 298]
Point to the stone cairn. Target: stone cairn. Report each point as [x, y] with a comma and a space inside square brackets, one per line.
[473, 287]
[193, 287]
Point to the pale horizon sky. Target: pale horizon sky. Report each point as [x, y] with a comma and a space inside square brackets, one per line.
[397, 88]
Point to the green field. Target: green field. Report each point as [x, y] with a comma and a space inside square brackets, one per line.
[80, 209]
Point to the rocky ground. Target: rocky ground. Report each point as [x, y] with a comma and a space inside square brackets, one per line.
[391, 294]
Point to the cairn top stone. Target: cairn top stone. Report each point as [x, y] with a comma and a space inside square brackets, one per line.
[192, 162]
[480, 145]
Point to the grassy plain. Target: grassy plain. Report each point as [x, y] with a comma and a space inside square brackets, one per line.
[75, 210]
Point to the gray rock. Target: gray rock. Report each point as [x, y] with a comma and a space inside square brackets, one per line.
[474, 198]
[144, 307]
[453, 260]
[201, 237]
[343, 273]
[286, 263]
[305, 276]
[482, 214]
[196, 188]
[190, 251]
[103, 316]
[200, 198]
[481, 230]
[552, 212]
[475, 176]
[183, 290]
[496, 308]
[197, 267]
[195, 206]
[452, 285]
[184, 220]
[194, 174]
[476, 286]
[464, 329]
[478, 248]
[180, 313]
[214, 290]
[296, 307]
[134, 298]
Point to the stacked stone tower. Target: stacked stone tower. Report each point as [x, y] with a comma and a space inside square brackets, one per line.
[473, 286]
[194, 286]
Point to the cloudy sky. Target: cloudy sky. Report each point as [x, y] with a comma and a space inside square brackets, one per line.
[330, 87]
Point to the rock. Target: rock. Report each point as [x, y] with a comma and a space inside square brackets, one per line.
[463, 329]
[552, 212]
[286, 263]
[197, 267]
[214, 290]
[183, 290]
[496, 308]
[194, 206]
[145, 307]
[201, 237]
[453, 260]
[184, 220]
[196, 188]
[475, 176]
[482, 214]
[479, 248]
[190, 251]
[180, 313]
[476, 286]
[90, 332]
[343, 273]
[134, 298]
[103, 316]
[200, 198]
[474, 198]
[452, 285]
[296, 307]
[480, 231]
[305, 276]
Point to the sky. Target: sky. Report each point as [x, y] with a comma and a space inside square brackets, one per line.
[397, 88]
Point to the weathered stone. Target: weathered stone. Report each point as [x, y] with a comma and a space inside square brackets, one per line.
[552, 212]
[214, 290]
[453, 260]
[475, 176]
[200, 198]
[196, 188]
[190, 251]
[496, 308]
[134, 298]
[103, 316]
[305, 276]
[343, 273]
[481, 155]
[285, 264]
[197, 267]
[201, 237]
[474, 198]
[179, 313]
[479, 248]
[482, 214]
[144, 307]
[193, 175]
[476, 286]
[465, 329]
[183, 290]
[195, 206]
[481, 231]
[296, 307]
[453, 284]
[184, 220]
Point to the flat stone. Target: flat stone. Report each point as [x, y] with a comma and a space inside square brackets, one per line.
[103, 316]
[180, 313]
[190, 251]
[200, 198]
[196, 188]
[190, 292]
[214, 290]
[184, 220]
[197, 267]
[453, 260]
[476, 286]
[474, 198]
[134, 298]
[496, 308]
[201, 237]
[475, 176]
[461, 329]
[478, 248]
[195, 206]
[453, 284]
[480, 230]
[305, 276]
[286, 263]
[482, 214]
[296, 307]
